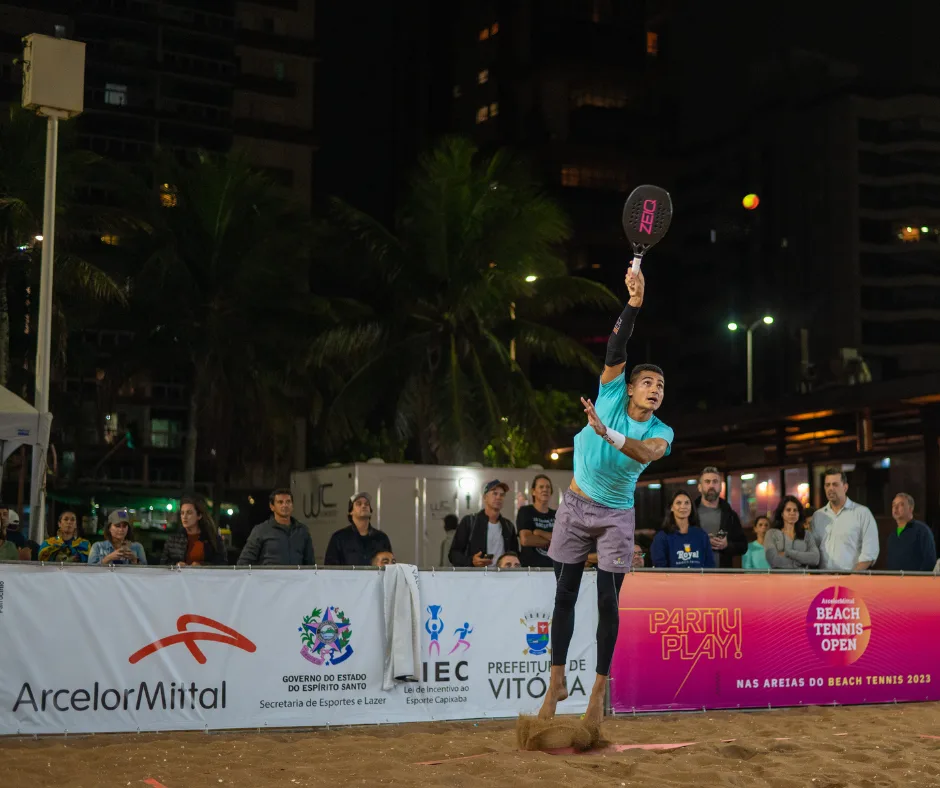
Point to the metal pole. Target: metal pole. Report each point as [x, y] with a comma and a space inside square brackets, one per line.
[37, 492]
[750, 364]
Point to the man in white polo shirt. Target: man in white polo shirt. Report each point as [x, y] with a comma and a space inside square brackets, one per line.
[847, 532]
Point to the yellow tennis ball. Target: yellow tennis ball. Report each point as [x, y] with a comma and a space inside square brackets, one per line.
[751, 201]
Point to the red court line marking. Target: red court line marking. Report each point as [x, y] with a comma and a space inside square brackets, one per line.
[610, 748]
[928, 736]
[620, 748]
[154, 783]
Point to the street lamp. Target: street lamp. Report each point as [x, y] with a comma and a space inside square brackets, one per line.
[54, 87]
[767, 320]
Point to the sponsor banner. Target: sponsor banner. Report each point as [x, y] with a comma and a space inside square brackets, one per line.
[756, 640]
[208, 649]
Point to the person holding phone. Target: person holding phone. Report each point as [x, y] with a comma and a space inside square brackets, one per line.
[118, 546]
[482, 537]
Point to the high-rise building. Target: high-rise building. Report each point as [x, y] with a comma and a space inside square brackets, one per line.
[274, 90]
[184, 75]
[833, 132]
[570, 87]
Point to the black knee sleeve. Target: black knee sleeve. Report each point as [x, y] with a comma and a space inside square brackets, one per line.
[566, 596]
[608, 618]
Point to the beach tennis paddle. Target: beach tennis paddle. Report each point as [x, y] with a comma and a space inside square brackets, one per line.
[647, 215]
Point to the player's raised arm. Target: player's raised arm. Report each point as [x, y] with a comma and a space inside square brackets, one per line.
[644, 451]
[616, 357]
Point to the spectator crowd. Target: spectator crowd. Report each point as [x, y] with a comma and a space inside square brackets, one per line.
[703, 533]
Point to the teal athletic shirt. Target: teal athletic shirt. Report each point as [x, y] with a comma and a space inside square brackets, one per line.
[605, 474]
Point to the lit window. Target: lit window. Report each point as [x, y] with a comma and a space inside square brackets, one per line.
[111, 240]
[115, 94]
[494, 109]
[484, 76]
[606, 99]
[494, 29]
[652, 43]
[595, 178]
[483, 114]
[909, 234]
[168, 197]
[279, 70]
[484, 34]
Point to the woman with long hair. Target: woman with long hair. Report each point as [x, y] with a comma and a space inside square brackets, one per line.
[198, 542]
[755, 557]
[788, 544]
[67, 544]
[682, 544]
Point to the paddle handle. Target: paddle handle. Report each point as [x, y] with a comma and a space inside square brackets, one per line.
[637, 259]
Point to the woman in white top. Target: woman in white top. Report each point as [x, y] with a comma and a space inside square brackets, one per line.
[788, 545]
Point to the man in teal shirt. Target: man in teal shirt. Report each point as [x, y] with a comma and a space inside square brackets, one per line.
[621, 438]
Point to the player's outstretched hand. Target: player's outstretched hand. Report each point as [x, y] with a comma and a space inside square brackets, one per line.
[636, 286]
[593, 419]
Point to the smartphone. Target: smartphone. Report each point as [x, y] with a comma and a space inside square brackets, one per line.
[721, 533]
[487, 556]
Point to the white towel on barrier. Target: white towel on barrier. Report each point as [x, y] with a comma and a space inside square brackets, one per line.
[402, 625]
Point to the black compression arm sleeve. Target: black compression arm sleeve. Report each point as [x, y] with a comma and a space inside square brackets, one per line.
[623, 329]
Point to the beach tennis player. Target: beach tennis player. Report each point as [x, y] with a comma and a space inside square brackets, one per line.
[596, 514]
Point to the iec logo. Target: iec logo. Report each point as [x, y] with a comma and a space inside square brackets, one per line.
[435, 625]
[326, 639]
[537, 635]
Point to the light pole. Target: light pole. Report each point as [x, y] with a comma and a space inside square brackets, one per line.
[766, 320]
[53, 86]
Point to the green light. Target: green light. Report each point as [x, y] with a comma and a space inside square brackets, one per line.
[768, 320]
[230, 512]
[925, 229]
[533, 277]
[169, 507]
[732, 326]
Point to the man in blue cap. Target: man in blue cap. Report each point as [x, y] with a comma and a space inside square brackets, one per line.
[483, 537]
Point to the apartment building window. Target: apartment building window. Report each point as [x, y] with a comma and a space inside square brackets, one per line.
[594, 178]
[267, 24]
[457, 91]
[111, 240]
[484, 34]
[483, 114]
[606, 99]
[168, 198]
[279, 70]
[494, 109]
[115, 94]
[494, 28]
[652, 43]
[483, 77]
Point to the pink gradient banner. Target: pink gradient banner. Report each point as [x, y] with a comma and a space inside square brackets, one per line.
[693, 641]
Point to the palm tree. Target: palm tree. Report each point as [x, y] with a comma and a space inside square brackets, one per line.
[469, 271]
[22, 183]
[221, 295]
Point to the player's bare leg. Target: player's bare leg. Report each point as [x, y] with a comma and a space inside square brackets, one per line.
[555, 694]
[598, 701]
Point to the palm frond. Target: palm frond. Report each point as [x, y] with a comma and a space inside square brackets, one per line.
[545, 342]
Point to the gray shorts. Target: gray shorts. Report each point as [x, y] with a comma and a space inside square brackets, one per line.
[581, 524]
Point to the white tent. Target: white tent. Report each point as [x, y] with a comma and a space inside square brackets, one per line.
[21, 424]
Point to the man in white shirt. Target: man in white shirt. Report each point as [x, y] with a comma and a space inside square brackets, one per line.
[847, 531]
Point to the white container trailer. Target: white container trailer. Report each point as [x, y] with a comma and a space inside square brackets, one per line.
[410, 501]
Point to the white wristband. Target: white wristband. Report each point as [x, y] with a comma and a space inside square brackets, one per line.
[614, 438]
